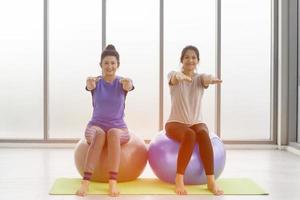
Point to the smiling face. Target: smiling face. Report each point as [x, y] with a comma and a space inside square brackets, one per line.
[109, 65]
[190, 60]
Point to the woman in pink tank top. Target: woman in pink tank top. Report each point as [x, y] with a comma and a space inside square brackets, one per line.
[185, 124]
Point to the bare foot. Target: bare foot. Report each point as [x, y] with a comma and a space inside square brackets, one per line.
[82, 191]
[113, 190]
[179, 185]
[212, 185]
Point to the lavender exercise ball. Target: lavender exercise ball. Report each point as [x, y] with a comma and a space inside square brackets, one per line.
[163, 153]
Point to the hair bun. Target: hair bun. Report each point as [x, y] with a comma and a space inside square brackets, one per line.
[110, 47]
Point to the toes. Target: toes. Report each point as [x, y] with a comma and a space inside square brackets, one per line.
[220, 192]
[114, 194]
[79, 193]
[181, 192]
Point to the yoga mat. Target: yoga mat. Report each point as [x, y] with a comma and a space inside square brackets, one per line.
[231, 186]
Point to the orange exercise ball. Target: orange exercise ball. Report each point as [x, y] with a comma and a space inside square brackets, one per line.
[132, 162]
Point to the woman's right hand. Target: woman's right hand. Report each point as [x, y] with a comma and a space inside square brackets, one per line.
[178, 77]
[91, 82]
[182, 77]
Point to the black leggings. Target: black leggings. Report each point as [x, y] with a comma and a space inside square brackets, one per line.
[187, 137]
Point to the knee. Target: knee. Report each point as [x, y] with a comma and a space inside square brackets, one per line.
[202, 135]
[202, 131]
[113, 134]
[99, 132]
[190, 136]
[94, 133]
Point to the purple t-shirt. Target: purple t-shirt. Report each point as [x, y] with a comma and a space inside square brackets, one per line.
[109, 104]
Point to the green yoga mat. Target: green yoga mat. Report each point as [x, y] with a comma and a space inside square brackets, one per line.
[231, 186]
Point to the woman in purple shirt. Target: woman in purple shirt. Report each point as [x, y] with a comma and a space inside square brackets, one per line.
[108, 93]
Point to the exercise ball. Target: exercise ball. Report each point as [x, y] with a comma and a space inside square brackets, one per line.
[163, 153]
[132, 162]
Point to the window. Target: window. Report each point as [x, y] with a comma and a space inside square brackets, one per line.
[75, 45]
[190, 23]
[246, 69]
[132, 26]
[21, 71]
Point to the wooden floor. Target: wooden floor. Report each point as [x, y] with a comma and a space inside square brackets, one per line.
[28, 174]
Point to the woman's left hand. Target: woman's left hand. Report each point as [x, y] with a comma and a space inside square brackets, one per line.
[126, 83]
[215, 81]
